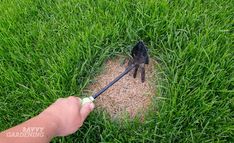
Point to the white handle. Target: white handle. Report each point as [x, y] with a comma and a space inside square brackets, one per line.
[87, 100]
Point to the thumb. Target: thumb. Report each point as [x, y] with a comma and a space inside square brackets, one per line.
[86, 109]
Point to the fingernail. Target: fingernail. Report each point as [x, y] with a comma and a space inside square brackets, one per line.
[91, 106]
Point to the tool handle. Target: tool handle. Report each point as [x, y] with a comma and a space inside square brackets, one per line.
[114, 81]
[87, 100]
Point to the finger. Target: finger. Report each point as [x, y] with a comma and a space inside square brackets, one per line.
[76, 100]
[86, 109]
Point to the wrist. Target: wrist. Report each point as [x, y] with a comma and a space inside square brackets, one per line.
[52, 123]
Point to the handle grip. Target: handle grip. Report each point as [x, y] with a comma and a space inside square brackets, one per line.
[87, 100]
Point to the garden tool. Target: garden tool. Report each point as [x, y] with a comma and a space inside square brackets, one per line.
[140, 57]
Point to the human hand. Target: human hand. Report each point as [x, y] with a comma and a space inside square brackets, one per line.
[68, 114]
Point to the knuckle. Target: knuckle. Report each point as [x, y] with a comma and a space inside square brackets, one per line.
[74, 101]
[60, 99]
[80, 124]
[73, 98]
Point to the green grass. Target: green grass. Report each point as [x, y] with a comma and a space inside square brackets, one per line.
[51, 49]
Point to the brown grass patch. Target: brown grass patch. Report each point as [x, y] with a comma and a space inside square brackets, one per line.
[128, 95]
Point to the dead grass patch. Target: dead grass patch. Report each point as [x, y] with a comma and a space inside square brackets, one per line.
[127, 96]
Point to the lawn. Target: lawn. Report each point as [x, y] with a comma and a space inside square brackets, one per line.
[51, 49]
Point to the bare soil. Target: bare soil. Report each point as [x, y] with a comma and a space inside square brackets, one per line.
[129, 96]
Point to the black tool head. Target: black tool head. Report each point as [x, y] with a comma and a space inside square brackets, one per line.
[140, 54]
[140, 58]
